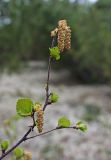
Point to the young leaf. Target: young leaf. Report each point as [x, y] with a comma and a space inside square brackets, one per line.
[54, 97]
[24, 107]
[18, 152]
[64, 122]
[4, 145]
[83, 127]
[55, 53]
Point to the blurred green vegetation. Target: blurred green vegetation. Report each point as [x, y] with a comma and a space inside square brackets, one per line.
[25, 27]
[92, 112]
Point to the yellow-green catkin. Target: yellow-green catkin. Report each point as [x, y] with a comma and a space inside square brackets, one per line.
[27, 155]
[68, 38]
[64, 35]
[40, 117]
[62, 24]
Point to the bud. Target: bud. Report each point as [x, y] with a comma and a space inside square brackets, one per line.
[40, 117]
[4, 145]
[82, 126]
[18, 152]
[54, 97]
[54, 32]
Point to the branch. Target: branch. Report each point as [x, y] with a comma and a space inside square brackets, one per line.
[54, 129]
[24, 138]
[48, 77]
[18, 143]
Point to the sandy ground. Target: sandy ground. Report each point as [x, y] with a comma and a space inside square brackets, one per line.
[89, 103]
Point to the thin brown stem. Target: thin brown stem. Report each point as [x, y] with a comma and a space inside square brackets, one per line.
[24, 138]
[18, 143]
[54, 129]
[41, 134]
[48, 77]
[47, 84]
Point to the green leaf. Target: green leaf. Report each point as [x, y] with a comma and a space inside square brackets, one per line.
[54, 97]
[18, 152]
[4, 145]
[24, 107]
[55, 53]
[64, 122]
[82, 126]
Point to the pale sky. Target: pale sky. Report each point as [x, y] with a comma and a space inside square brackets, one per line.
[70, 0]
[93, 0]
[84, 1]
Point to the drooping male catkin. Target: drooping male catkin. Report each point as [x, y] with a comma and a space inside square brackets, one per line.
[64, 35]
[40, 117]
[67, 43]
[62, 24]
[27, 155]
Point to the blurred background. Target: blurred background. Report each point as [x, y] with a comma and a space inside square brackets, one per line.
[81, 78]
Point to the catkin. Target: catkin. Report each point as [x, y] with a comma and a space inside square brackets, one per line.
[64, 35]
[68, 38]
[27, 155]
[40, 117]
[61, 34]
